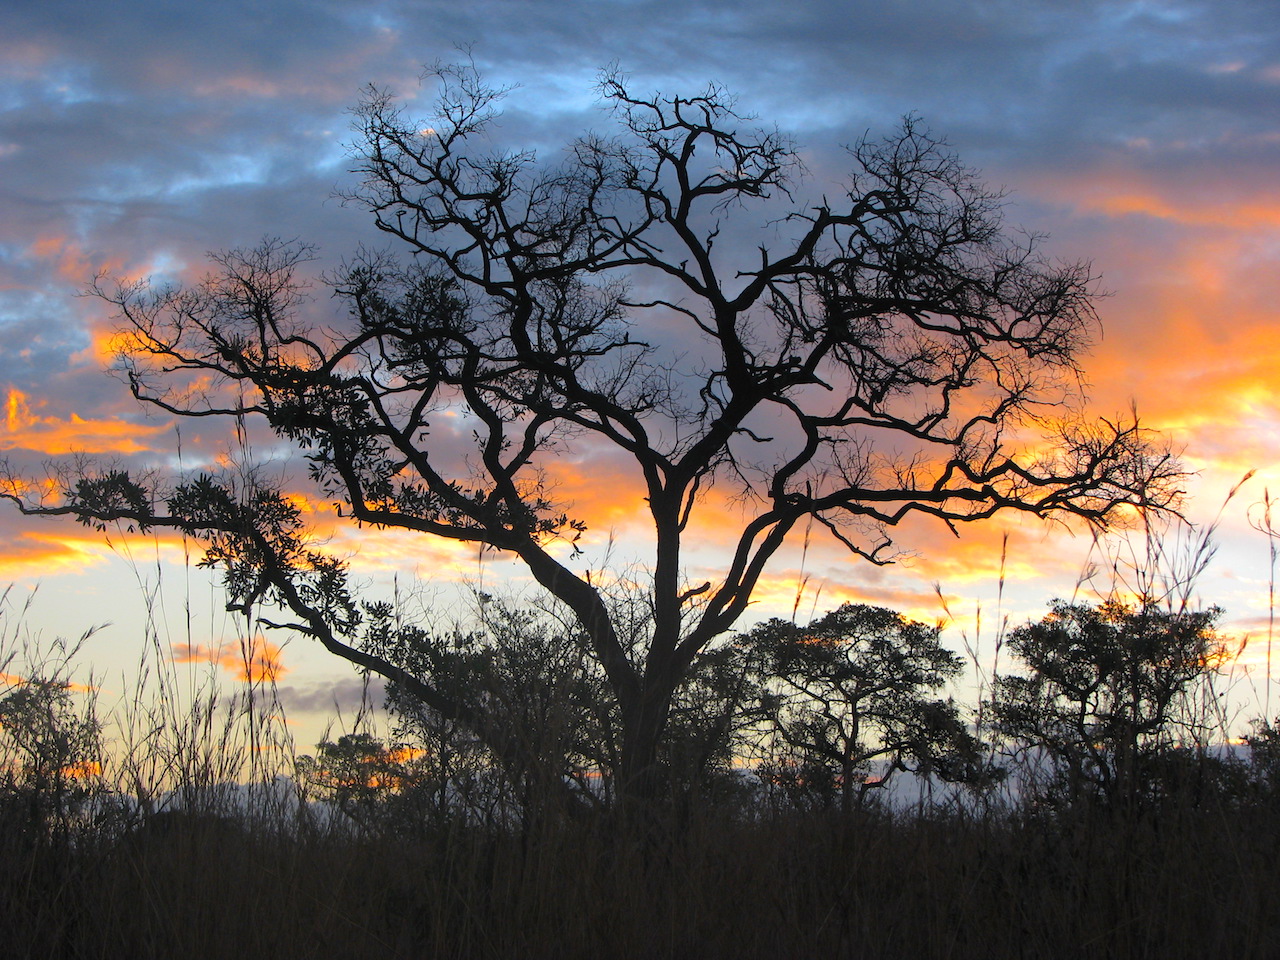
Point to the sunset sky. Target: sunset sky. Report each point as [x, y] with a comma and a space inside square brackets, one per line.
[1142, 136]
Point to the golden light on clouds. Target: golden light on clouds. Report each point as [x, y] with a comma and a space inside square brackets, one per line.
[601, 492]
[27, 429]
[71, 261]
[794, 594]
[250, 661]
[1236, 215]
[49, 553]
[17, 413]
[105, 345]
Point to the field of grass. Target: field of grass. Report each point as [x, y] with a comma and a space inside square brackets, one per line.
[162, 833]
[1188, 883]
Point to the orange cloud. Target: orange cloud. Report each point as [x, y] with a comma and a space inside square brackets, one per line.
[787, 592]
[601, 492]
[105, 345]
[26, 430]
[252, 661]
[370, 548]
[36, 554]
[1123, 189]
[1237, 214]
[71, 261]
[1190, 331]
[17, 413]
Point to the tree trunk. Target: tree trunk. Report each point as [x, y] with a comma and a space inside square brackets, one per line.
[846, 784]
[640, 778]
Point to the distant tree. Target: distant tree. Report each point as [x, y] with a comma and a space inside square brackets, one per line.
[852, 699]
[533, 689]
[885, 353]
[1264, 756]
[359, 774]
[1107, 691]
[50, 753]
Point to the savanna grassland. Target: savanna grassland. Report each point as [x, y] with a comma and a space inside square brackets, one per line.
[161, 832]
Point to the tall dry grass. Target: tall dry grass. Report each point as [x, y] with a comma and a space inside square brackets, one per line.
[868, 886]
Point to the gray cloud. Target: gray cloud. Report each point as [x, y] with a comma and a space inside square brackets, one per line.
[346, 696]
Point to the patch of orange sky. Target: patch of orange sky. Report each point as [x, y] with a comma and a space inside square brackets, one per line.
[71, 261]
[385, 550]
[1217, 213]
[14, 680]
[1190, 333]
[256, 661]
[1191, 353]
[78, 267]
[26, 429]
[105, 345]
[83, 770]
[52, 553]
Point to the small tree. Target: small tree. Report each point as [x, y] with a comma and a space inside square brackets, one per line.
[361, 775]
[1108, 690]
[713, 717]
[852, 699]
[50, 752]
[1264, 756]
[531, 680]
[852, 361]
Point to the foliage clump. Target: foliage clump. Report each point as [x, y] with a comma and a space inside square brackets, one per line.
[1109, 693]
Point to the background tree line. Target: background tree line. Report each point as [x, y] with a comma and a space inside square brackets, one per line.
[1107, 705]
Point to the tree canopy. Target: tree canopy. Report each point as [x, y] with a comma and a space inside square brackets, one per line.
[1108, 690]
[859, 687]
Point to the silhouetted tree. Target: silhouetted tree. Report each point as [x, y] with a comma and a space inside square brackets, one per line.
[360, 775]
[50, 754]
[852, 699]
[1107, 691]
[534, 685]
[880, 354]
[713, 717]
[1264, 756]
